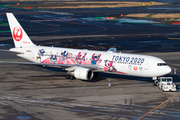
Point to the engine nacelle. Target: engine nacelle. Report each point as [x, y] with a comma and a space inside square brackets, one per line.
[83, 73]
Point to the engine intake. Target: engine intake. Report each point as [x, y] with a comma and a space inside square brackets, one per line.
[83, 73]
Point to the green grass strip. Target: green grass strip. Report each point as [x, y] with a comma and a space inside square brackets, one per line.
[4, 31]
[4, 24]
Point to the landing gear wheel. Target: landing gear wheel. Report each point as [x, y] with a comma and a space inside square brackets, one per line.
[72, 77]
[155, 82]
[67, 76]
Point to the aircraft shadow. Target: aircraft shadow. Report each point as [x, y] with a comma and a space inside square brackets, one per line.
[100, 77]
[104, 76]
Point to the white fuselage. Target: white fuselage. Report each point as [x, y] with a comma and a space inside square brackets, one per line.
[116, 63]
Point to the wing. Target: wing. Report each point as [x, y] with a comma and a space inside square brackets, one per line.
[68, 67]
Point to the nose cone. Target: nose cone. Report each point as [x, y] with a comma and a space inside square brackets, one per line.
[168, 69]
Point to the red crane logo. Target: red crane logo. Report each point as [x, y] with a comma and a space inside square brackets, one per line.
[17, 33]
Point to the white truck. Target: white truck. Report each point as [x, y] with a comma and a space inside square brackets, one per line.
[166, 84]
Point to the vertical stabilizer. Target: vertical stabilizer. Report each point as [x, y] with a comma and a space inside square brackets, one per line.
[19, 36]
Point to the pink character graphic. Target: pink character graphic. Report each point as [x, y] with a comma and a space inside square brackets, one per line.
[80, 58]
[109, 67]
[70, 59]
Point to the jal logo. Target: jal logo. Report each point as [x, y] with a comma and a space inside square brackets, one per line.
[135, 68]
[17, 33]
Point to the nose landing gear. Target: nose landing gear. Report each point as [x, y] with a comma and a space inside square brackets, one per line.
[155, 82]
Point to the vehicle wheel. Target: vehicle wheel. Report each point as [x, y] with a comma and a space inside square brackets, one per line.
[161, 87]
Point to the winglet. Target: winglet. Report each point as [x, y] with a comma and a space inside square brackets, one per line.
[19, 36]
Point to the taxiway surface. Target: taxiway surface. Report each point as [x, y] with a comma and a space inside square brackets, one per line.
[32, 92]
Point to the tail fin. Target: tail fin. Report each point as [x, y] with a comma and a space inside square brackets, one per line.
[20, 37]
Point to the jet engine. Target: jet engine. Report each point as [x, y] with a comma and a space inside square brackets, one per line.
[83, 73]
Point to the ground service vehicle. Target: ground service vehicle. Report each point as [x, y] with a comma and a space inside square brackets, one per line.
[166, 84]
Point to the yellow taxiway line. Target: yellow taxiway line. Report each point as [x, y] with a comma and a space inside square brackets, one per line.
[174, 38]
[158, 106]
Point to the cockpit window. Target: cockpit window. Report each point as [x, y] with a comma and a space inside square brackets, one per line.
[161, 64]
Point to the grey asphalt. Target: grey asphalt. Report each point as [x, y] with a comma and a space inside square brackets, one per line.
[32, 92]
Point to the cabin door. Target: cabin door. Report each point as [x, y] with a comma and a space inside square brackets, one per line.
[146, 65]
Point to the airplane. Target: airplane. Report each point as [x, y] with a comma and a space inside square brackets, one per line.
[84, 64]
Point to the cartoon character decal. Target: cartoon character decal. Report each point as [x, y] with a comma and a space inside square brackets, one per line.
[95, 58]
[63, 57]
[109, 66]
[53, 58]
[80, 58]
[41, 53]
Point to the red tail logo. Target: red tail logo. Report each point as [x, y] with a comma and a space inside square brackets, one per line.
[17, 33]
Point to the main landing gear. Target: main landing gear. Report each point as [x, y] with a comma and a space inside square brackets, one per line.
[70, 77]
[155, 81]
